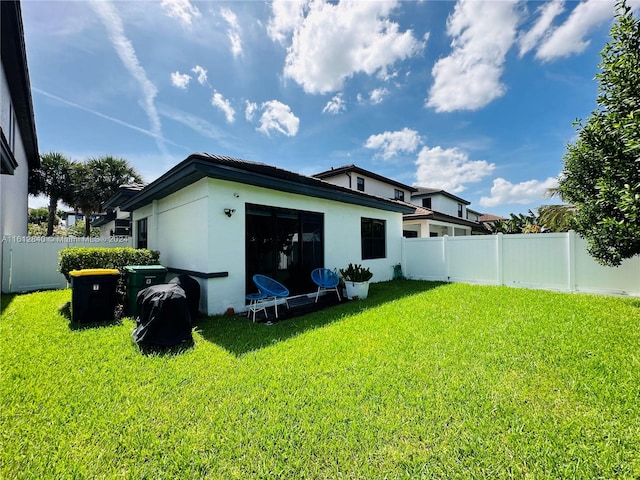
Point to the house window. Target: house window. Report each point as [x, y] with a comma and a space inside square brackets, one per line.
[460, 210]
[284, 244]
[373, 234]
[360, 184]
[142, 233]
[398, 195]
[426, 203]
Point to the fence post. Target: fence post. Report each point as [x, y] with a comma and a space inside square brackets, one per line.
[499, 262]
[445, 253]
[571, 260]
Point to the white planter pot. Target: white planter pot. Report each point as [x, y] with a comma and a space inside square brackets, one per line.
[357, 290]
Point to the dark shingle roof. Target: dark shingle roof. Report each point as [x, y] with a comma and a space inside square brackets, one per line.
[201, 165]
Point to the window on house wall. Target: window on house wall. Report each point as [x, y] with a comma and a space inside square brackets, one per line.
[398, 195]
[373, 234]
[360, 184]
[142, 238]
[460, 210]
[426, 202]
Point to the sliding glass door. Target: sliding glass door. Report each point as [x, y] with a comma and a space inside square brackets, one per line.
[284, 244]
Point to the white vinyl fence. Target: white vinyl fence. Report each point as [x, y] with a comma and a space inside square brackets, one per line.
[31, 263]
[550, 261]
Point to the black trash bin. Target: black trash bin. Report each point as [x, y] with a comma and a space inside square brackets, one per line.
[93, 295]
[139, 277]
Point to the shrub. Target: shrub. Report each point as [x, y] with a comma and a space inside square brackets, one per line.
[356, 273]
[78, 258]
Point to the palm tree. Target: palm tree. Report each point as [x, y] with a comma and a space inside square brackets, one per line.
[53, 179]
[556, 217]
[98, 179]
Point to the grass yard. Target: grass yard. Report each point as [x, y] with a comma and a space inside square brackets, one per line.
[421, 380]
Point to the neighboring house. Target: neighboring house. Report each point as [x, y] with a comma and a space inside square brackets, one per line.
[115, 222]
[18, 141]
[222, 220]
[356, 178]
[436, 212]
[440, 213]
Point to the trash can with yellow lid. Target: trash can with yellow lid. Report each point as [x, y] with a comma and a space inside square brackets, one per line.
[93, 295]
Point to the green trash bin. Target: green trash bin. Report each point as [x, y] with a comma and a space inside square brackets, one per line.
[93, 295]
[139, 277]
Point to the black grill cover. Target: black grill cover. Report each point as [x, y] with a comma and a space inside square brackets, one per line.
[163, 316]
[192, 288]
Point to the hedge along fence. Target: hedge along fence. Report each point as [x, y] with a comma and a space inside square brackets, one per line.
[79, 258]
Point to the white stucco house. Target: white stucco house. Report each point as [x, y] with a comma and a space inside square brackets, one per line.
[221, 220]
[435, 213]
[18, 141]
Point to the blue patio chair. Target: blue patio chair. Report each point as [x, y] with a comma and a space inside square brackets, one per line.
[272, 289]
[326, 280]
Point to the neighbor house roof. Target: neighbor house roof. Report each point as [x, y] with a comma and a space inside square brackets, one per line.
[334, 172]
[14, 60]
[124, 193]
[201, 165]
[422, 192]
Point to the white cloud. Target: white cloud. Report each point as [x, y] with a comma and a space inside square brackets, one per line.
[127, 54]
[449, 169]
[201, 72]
[250, 110]
[182, 10]
[548, 12]
[393, 143]
[377, 95]
[332, 42]
[335, 106]
[233, 32]
[469, 78]
[223, 105]
[287, 16]
[568, 38]
[504, 192]
[279, 117]
[180, 80]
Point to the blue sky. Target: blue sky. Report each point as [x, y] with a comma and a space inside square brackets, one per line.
[475, 97]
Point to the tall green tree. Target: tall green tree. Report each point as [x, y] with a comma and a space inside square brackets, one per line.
[52, 178]
[96, 180]
[601, 174]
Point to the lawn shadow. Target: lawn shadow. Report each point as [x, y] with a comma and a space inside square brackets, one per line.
[65, 311]
[163, 351]
[240, 335]
[5, 300]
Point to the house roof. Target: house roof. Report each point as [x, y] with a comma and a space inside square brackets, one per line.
[334, 172]
[426, 214]
[201, 165]
[14, 60]
[487, 217]
[124, 193]
[429, 192]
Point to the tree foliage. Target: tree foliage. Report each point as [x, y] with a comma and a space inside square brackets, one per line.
[601, 174]
[98, 179]
[53, 179]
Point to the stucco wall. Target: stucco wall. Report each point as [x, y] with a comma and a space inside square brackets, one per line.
[440, 203]
[14, 200]
[195, 234]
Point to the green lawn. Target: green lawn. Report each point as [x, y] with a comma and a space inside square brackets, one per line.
[421, 380]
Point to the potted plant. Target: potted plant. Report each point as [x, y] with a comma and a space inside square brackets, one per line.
[356, 281]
